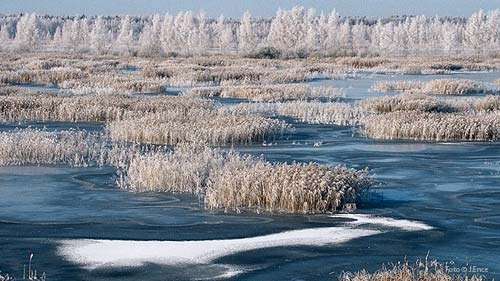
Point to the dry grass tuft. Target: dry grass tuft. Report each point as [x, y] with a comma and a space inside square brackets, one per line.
[36, 147]
[270, 93]
[397, 86]
[419, 103]
[88, 108]
[481, 126]
[454, 87]
[330, 113]
[207, 126]
[54, 76]
[434, 87]
[403, 271]
[251, 184]
[362, 63]
[235, 183]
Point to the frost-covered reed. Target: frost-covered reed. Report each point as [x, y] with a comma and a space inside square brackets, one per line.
[232, 182]
[36, 147]
[454, 87]
[88, 108]
[488, 103]
[329, 113]
[434, 87]
[227, 76]
[419, 103]
[270, 93]
[5, 277]
[211, 127]
[404, 271]
[286, 188]
[423, 103]
[482, 126]
[118, 83]
[397, 86]
[53, 76]
[184, 171]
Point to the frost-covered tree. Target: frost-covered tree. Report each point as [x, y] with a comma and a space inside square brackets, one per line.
[293, 32]
[228, 39]
[28, 33]
[247, 40]
[167, 34]
[149, 42]
[203, 35]
[100, 37]
[360, 39]
[75, 34]
[332, 30]
[125, 41]
[451, 38]
[476, 37]
[346, 38]
[493, 25]
[312, 40]
[219, 30]
[4, 36]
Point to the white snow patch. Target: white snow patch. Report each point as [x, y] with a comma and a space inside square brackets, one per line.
[362, 219]
[93, 254]
[117, 253]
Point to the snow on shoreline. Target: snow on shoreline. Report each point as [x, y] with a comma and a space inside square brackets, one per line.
[92, 253]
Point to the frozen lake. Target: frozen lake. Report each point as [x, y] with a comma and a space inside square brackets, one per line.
[437, 198]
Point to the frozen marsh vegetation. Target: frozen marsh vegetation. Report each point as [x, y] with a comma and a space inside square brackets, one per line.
[211, 127]
[270, 93]
[235, 182]
[312, 112]
[421, 270]
[434, 87]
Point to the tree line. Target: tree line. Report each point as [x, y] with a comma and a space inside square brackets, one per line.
[298, 32]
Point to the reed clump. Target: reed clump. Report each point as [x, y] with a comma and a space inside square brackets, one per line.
[397, 86]
[454, 87]
[53, 76]
[422, 103]
[37, 147]
[488, 103]
[270, 93]
[419, 103]
[118, 83]
[88, 108]
[184, 171]
[207, 126]
[404, 271]
[312, 112]
[285, 188]
[414, 125]
[434, 87]
[233, 182]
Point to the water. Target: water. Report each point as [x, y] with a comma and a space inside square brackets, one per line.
[452, 187]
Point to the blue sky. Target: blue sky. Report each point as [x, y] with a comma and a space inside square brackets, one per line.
[234, 8]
